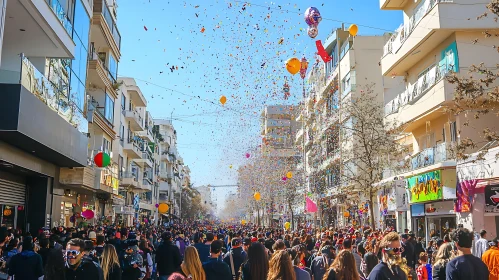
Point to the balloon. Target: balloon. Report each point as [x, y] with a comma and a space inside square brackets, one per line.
[247, 155]
[284, 178]
[163, 208]
[287, 225]
[157, 205]
[346, 214]
[289, 175]
[312, 31]
[353, 29]
[88, 214]
[230, 166]
[322, 52]
[293, 65]
[243, 222]
[257, 196]
[102, 159]
[223, 99]
[312, 16]
[303, 67]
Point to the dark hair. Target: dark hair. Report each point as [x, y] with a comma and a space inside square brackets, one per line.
[143, 245]
[258, 261]
[100, 239]
[347, 243]
[55, 266]
[296, 241]
[77, 242]
[3, 234]
[463, 237]
[89, 246]
[28, 243]
[44, 243]
[483, 233]
[210, 237]
[216, 247]
[279, 245]
[371, 261]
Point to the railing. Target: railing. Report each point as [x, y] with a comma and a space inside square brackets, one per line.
[414, 91]
[146, 155]
[403, 32]
[61, 15]
[135, 114]
[137, 142]
[111, 24]
[131, 175]
[102, 61]
[430, 156]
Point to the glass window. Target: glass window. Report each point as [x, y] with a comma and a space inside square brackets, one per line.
[123, 102]
[81, 24]
[122, 133]
[77, 92]
[109, 109]
[113, 66]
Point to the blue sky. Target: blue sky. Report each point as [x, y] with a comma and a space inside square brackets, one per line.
[237, 55]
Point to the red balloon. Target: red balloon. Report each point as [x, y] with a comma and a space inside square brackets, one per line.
[322, 52]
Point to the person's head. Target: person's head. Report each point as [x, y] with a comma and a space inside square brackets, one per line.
[216, 248]
[100, 239]
[279, 245]
[44, 243]
[198, 238]
[391, 247]
[347, 244]
[423, 258]
[192, 264]
[89, 246]
[109, 259]
[210, 237]
[280, 267]
[369, 261]
[344, 266]
[13, 243]
[444, 254]
[74, 251]
[236, 242]
[258, 261]
[166, 236]
[246, 243]
[404, 237]
[27, 243]
[463, 239]
[483, 234]
[327, 251]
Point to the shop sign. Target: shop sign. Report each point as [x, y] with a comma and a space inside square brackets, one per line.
[115, 183]
[417, 210]
[425, 187]
[492, 199]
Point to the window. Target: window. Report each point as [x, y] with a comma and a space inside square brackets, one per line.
[453, 131]
[123, 102]
[109, 108]
[122, 133]
[120, 167]
[449, 58]
[113, 66]
[106, 146]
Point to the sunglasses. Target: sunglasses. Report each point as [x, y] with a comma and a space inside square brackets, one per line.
[72, 253]
[395, 250]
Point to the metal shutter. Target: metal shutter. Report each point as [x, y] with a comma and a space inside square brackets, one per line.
[12, 193]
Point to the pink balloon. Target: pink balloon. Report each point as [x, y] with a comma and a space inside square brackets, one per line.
[248, 155]
[284, 178]
[88, 214]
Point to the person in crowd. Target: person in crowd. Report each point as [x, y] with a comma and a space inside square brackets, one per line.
[424, 269]
[235, 257]
[287, 241]
[26, 265]
[347, 245]
[491, 259]
[481, 244]
[146, 254]
[132, 260]
[269, 241]
[88, 251]
[55, 266]
[99, 248]
[390, 266]
[192, 266]
[110, 262]
[78, 267]
[44, 250]
[168, 257]
[214, 268]
[408, 250]
[279, 245]
[180, 243]
[299, 268]
[418, 248]
[343, 267]
[246, 245]
[444, 254]
[203, 247]
[369, 261]
[257, 265]
[12, 250]
[280, 267]
[322, 262]
[430, 249]
[465, 265]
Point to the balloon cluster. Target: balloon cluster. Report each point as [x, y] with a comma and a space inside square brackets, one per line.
[312, 18]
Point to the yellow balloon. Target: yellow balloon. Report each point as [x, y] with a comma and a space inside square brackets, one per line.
[223, 99]
[243, 222]
[287, 225]
[353, 29]
[293, 65]
[289, 175]
[230, 166]
[163, 208]
[257, 196]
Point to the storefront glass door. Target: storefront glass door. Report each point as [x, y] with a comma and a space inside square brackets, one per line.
[439, 226]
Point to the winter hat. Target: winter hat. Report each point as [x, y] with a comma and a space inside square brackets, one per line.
[92, 235]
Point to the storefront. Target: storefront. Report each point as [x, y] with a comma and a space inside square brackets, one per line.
[12, 200]
[393, 205]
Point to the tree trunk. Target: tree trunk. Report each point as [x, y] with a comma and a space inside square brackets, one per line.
[371, 209]
[258, 215]
[292, 216]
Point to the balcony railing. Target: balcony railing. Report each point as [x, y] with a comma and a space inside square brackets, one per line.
[101, 59]
[419, 88]
[111, 24]
[130, 175]
[438, 153]
[137, 142]
[403, 32]
[61, 15]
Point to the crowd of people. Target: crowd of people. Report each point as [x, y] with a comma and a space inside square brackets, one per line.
[202, 251]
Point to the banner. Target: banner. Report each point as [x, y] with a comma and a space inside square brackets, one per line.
[426, 187]
[492, 199]
[464, 195]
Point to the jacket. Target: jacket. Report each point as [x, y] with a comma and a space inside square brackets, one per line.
[238, 256]
[319, 266]
[408, 253]
[86, 270]
[26, 265]
[203, 251]
[491, 260]
[438, 271]
[216, 270]
[168, 258]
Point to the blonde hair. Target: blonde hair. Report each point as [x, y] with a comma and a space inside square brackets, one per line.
[388, 239]
[192, 264]
[109, 259]
[444, 254]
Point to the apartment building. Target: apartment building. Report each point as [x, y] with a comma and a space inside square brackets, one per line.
[44, 127]
[436, 38]
[326, 146]
[278, 131]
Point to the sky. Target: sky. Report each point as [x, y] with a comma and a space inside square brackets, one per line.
[185, 55]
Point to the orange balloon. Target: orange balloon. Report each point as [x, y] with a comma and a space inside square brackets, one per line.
[293, 65]
[353, 29]
[223, 99]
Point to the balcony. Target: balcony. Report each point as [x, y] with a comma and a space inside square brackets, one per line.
[392, 4]
[145, 161]
[146, 134]
[432, 23]
[146, 186]
[78, 177]
[104, 29]
[130, 179]
[439, 153]
[135, 94]
[133, 147]
[299, 137]
[99, 75]
[410, 104]
[135, 120]
[98, 114]
[37, 118]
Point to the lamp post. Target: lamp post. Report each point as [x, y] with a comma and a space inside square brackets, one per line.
[303, 73]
